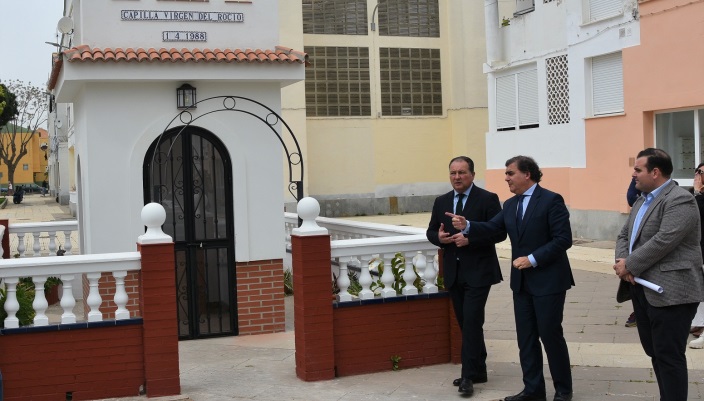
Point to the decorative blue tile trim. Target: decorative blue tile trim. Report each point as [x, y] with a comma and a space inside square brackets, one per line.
[398, 298]
[72, 326]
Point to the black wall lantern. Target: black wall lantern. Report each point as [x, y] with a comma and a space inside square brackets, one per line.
[186, 97]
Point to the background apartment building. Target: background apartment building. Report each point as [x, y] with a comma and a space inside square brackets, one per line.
[394, 89]
[556, 88]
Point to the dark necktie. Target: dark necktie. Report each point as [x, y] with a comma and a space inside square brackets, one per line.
[458, 207]
[519, 212]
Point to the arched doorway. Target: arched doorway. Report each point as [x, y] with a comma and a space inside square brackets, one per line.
[191, 176]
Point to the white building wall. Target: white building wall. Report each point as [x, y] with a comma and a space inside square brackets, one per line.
[550, 30]
[120, 108]
[101, 24]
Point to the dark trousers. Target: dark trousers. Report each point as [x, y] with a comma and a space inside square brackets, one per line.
[469, 303]
[663, 333]
[540, 319]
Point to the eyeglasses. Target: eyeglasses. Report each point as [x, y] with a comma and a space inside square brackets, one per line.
[698, 171]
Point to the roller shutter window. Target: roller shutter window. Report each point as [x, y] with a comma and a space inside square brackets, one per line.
[607, 84]
[601, 9]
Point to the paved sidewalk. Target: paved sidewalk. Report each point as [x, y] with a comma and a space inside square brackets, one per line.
[608, 361]
[35, 208]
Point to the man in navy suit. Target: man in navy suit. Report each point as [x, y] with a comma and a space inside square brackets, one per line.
[537, 222]
[469, 270]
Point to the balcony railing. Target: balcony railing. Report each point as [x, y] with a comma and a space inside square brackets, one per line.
[43, 239]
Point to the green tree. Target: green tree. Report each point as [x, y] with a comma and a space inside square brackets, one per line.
[8, 105]
[31, 114]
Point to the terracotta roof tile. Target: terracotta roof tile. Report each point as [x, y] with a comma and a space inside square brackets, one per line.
[83, 53]
[281, 55]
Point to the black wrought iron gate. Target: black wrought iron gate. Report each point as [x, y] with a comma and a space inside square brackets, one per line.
[191, 176]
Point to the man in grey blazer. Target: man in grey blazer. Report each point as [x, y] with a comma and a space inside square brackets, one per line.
[660, 243]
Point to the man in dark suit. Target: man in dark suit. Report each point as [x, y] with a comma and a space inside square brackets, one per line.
[537, 222]
[469, 270]
[660, 243]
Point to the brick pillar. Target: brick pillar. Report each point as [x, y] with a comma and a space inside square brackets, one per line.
[158, 305]
[312, 296]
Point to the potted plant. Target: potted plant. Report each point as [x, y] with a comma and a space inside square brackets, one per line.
[53, 290]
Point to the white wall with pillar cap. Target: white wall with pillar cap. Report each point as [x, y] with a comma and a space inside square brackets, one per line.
[153, 216]
[308, 210]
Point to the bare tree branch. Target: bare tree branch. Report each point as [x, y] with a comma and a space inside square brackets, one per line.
[32, 113]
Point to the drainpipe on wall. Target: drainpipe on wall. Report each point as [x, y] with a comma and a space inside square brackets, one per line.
[492, 31]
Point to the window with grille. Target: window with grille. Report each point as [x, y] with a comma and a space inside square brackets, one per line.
[337, 81]
[25, 167]
[517, 101]
[335, 17]
[410, 82]
[607, 84]
[557, 77]
[417, 18]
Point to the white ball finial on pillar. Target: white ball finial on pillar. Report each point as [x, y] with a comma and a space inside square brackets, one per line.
[308, 210]
[153, 216]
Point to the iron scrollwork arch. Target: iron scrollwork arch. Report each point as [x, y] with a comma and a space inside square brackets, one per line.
[270, 118]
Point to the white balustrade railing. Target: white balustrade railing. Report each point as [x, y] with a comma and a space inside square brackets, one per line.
[70, 270]
[355, 243]
[42, 239]
[416, 249]
[341, 229]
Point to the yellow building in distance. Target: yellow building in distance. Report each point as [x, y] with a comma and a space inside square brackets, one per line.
[33, 166]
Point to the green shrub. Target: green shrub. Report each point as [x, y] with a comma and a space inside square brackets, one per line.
[288, 282]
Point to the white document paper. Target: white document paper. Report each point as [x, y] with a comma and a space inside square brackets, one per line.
[648, 284]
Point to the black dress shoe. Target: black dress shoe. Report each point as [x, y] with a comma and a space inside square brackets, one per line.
[475, 379]
[466, 387]
[523, 396]
[563, 397]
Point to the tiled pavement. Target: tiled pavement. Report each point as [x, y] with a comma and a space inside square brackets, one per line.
[608, 362]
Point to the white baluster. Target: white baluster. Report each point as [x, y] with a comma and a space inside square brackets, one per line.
[409, 276]
[67, 243]
[343, 282]
[68, 302]
[365, 279]
[11, 304]
[387, 278]
[52, 243]
[20, 245]
[40, 304]
[428, 274]
[121, 297]
[36, 245]
[94, 300]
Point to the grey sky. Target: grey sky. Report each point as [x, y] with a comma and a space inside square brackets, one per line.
[25, 26]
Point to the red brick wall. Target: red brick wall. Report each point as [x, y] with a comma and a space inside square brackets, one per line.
[367, 336]
[260, 297]
[355, 339]
[106, 285]
[92, 363]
